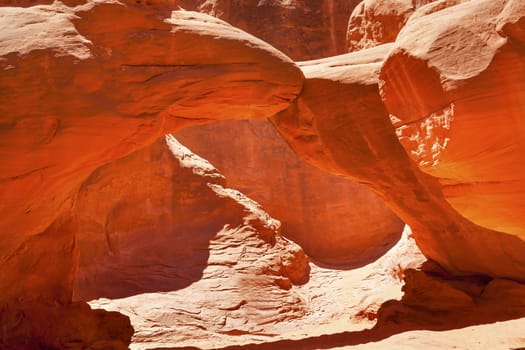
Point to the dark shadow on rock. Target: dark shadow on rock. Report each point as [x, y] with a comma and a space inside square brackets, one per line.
[365, 258]
[356, 226]
[433, 301]
[30, 326]
[145, 223]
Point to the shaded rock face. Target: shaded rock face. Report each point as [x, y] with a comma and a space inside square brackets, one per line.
[302, 29]
[333, 219]
[355, 225]
[150, 222]
[28, 326]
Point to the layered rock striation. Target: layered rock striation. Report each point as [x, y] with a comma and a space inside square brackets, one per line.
[336, 221]
[432, 122]
[75, 98]
[455, 99]
[429, 190]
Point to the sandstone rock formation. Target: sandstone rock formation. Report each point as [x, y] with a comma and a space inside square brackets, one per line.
[355, 225]
[335, 220]
[376, 22]
[150, 222]
[414, 120]
[353, 136]
[303, 29]
[176, 225]
[73, 100]
[458, 109]
[89, 87]
[230, 305]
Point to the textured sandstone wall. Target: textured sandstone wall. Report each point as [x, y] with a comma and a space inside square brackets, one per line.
[428, 89]
[147, 223]
[355, 226]
[162, 220]
[458, 109]
[94, 103]
[432, 123]
[73, 100]
[335, 220]
[302, 29]
[376, 22]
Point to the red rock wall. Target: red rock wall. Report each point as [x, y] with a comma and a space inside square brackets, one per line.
[335, 220]
[71, 104]
[442, 99]
[436, 131]
[150, 222]
[355, 226]
[303, 29]
[458, 109]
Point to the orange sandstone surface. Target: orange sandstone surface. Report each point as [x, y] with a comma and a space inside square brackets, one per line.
[115, 235]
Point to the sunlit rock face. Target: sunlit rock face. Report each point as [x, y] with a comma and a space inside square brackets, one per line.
[429, 117]
[353, 135]
[455, 96]
[72, 105]
[442, 85]
[75, 98]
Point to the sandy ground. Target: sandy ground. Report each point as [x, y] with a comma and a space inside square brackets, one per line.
[341, 307]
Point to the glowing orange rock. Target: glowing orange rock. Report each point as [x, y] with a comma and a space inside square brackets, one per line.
[75, 98]
[455, 96]
[339, 123]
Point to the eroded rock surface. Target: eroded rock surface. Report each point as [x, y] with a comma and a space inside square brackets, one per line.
[455, 98]
[376, 22]
[352, 135]
[335, 220]
[355, 226]
[154, 220]
[165, 222]
[74, 98]
[230, 305]
[432, 123]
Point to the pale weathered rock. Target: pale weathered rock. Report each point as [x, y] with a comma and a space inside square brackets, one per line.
[376, 22]
[205, 313]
